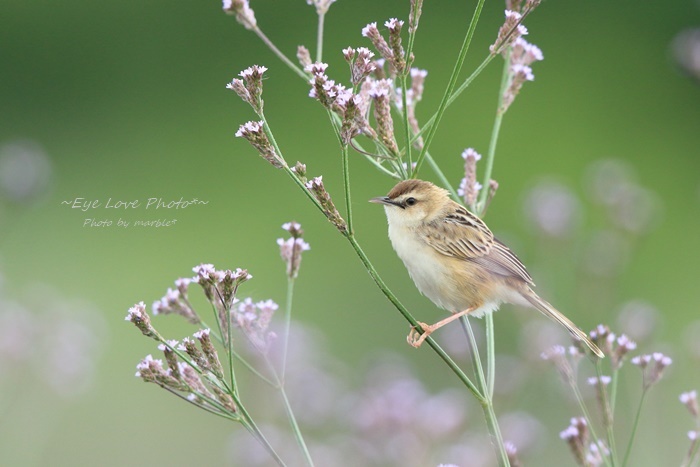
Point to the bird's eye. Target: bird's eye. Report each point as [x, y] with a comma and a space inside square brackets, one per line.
[410, 201]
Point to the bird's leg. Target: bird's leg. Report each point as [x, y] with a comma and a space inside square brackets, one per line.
[415, 339]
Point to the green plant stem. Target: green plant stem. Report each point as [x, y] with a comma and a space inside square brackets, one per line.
[287, 327]
[406, 127]
[608, 419]
[250, 425]
[395, 301]
[346, 188]
[494, 137]
[462, 87]
[240, 358]
[450, 86]
[290, 413]
[229, 347]
[279, 54]
[440, 174]
[319, 37]
[628, 451]
[587, 416]
[692, 452]
[490, 354]
[613, 391]
[411, 40]
[222, 414]
[487, 403]
[295, 428]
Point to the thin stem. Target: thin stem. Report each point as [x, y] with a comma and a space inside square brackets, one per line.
[225, 415]
[290, 413]
[613, 391]
[295, 428]
[494, 136]
[232, 373]
[490, 354]
[634, 428]
[287, 326]
[456, 94]
[692, 452]
[346, 188]
[608, 420]
[395, 301]
[487, 404]
[587, 416]
[474, 353]
[245, 362]
[494, 429]
[451, 85]
[319, 37]
[440, 174]
[406, 127]
[255, 431]
[279, 54]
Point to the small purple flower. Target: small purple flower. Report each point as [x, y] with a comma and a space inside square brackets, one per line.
[241, 9]
[137, 315]
[690, 400]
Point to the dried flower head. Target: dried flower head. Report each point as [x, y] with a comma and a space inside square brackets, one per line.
[372, 33]
[322, 6]
[254, 319]
[557, 355]
[361, 63]
[304, 56]
[690, 400]
[315, 185]
[512, 453]
[392, 52]
[524, 53]
[300, 170]
[597, 452]
[469, 188]
[519, 74]
[352, 108]
[250, 87]
[170, 357]
[255, 134]
[175, 302]
[509, 32]
[210, 353]
[414, 15]
[137, 315]
[220, 288]
[652, 366]
[623, 347]
[152, 371]
[190, 347]
[576, 435]
[291, 248]
[241, 9]
[381, 95]
[398, 56]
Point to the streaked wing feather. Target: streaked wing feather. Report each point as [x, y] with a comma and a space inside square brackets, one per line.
[463, 235]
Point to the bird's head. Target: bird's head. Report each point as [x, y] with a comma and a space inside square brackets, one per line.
[413, 202]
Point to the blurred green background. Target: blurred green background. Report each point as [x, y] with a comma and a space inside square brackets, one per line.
[127, 101]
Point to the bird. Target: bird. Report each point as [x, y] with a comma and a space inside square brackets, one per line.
[455, 260]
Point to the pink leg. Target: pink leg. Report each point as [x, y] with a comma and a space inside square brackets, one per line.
[415, 339]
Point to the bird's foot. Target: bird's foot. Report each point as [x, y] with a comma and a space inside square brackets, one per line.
[415, 338]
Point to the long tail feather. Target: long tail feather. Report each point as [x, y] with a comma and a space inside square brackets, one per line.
[552, 313]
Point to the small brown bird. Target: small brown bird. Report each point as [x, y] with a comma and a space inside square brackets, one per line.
[455, 261]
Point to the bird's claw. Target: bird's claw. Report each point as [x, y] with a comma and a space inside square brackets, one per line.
[415, 338]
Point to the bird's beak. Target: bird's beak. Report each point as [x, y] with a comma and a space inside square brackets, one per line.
[383, 200]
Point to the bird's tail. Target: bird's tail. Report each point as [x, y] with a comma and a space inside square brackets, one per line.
[552, 313]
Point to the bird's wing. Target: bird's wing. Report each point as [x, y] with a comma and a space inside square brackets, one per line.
[462, 235]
